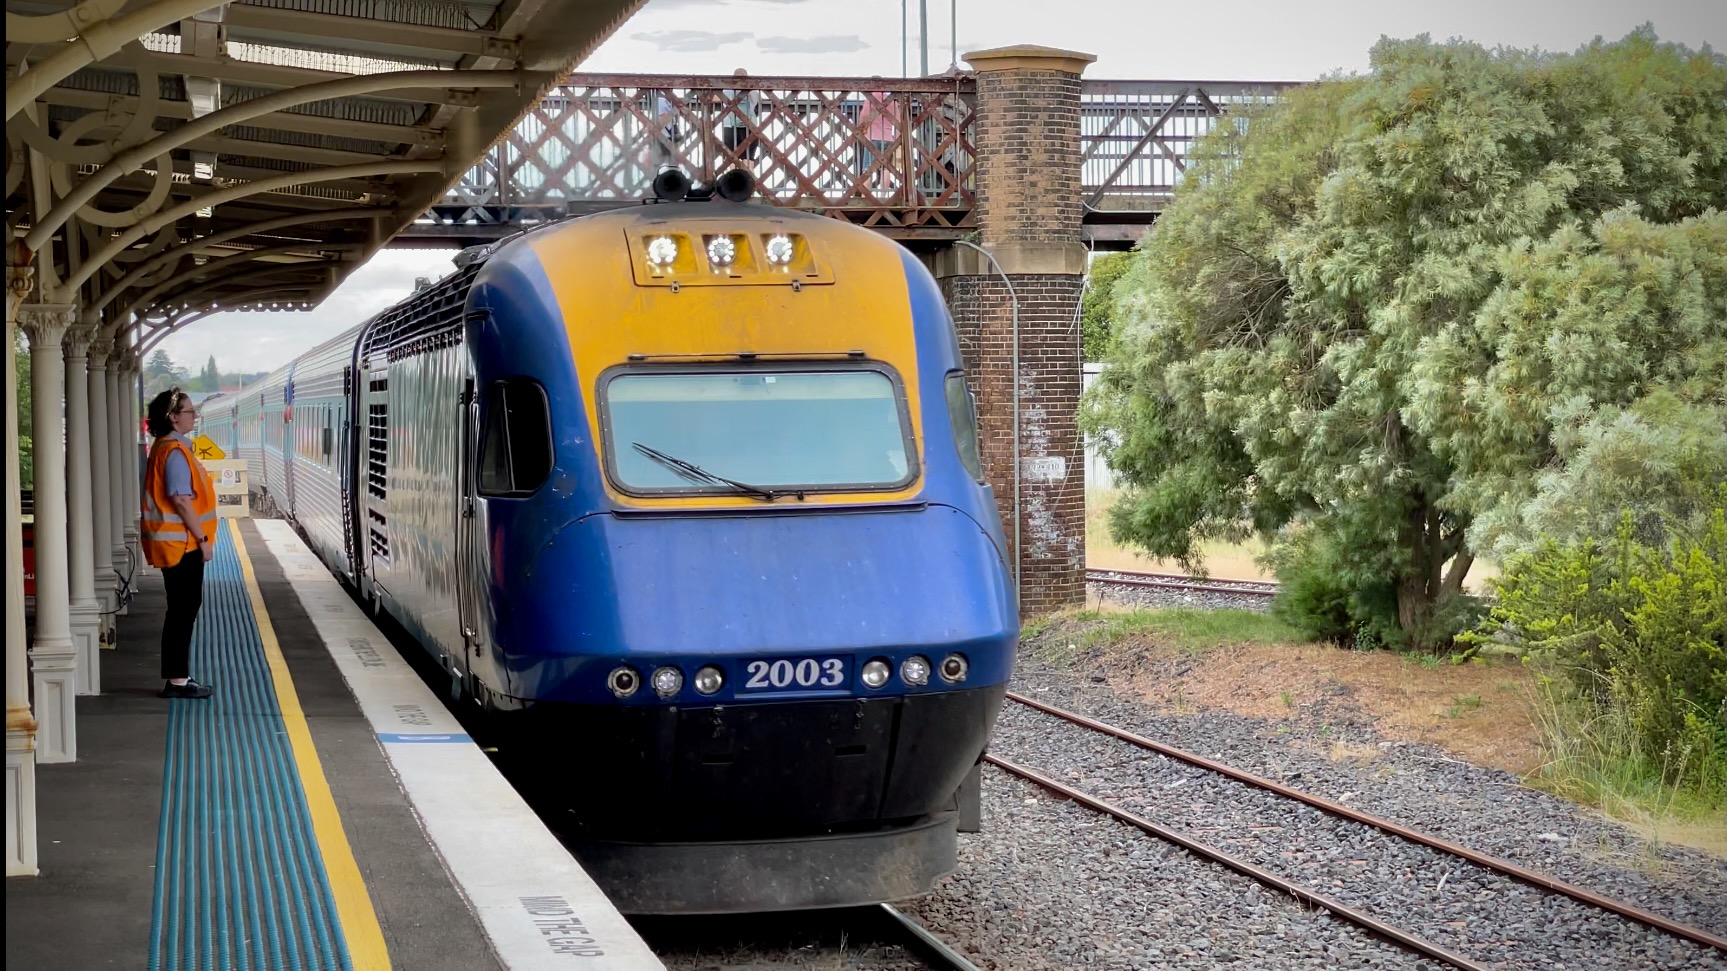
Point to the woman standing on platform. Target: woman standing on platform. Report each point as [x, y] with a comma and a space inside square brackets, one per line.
[178, 533]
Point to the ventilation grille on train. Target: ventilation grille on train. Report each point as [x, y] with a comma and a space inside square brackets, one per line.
[380, 535]
[377, 448]
[431, 319]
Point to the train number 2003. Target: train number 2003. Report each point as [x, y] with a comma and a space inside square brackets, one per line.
[809, 672]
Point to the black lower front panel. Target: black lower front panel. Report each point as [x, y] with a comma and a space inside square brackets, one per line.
[752, 771]
[742, 876]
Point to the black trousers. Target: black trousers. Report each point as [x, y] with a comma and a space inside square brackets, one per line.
[185, 584]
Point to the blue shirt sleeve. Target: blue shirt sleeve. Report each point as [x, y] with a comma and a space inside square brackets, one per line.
[178, 475]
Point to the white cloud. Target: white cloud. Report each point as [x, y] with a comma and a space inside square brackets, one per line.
[1224, 40]
[691, 41]
[264, 341]
[848, 44]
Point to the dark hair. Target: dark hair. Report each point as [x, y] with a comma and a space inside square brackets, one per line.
[160, 416]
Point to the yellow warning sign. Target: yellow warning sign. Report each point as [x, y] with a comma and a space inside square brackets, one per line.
[206, 449]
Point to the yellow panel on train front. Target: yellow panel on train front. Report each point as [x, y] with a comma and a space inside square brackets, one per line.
[841, 292]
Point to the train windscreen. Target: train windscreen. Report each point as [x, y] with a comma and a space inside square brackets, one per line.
[820, 430]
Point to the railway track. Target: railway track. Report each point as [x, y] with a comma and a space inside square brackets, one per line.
[1140, 589]
[918, 940]
[1357, 916]
[879, 936]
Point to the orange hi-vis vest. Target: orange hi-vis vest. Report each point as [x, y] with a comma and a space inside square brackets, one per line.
[161, 531]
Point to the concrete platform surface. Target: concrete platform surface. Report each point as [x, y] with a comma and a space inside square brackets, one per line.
[450, 869]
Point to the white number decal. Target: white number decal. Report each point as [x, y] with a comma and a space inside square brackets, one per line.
[808, 671]
[758, 675]
[833, 672]
[805, 673]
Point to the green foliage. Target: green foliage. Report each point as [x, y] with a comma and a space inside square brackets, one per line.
[1325, 597]
[1657, 460]
[210, 378]
[1638, 633]
[1190, 630]
[161, 373]
[1328, 591]
[1097, 306]
[1590, 382]
[1378, 308]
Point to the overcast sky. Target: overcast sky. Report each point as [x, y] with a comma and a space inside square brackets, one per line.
[1294, 40]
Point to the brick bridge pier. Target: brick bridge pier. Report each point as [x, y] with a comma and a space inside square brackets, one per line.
[1029, 208]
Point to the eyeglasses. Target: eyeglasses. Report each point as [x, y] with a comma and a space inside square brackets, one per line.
[187, 411]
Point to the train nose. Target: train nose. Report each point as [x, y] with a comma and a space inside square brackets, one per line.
[927, 576]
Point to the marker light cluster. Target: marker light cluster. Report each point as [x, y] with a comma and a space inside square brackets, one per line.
[780, 250]
[662, 251]
[721, 251]
[624, 681]
[915, 670]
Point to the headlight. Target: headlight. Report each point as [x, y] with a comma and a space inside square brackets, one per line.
[954, 667]
[709, 680]
[780, 250]
[623, 681]
[662, 251]
[721, 251]
[914, 670]
[668, 681]
[875, 673]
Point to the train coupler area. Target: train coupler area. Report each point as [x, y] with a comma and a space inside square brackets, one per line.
[743, 876]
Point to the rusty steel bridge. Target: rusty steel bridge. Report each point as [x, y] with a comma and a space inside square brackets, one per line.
[895, 154]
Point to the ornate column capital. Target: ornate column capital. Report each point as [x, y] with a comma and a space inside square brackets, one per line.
[20, 272]
[100, 350]
[78, 337]
[46, 323]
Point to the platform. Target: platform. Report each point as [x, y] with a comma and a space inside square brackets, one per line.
[322, 811]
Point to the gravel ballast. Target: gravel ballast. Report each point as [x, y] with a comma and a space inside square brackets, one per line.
[1448, 901]
[1103, 590]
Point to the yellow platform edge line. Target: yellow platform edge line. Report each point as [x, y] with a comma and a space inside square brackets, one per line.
[360, 928]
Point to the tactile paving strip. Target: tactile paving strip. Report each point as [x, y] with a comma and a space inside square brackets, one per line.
[240, 882]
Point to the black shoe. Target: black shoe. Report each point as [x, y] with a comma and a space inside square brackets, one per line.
[191, 689]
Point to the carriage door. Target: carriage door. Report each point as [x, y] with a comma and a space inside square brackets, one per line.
[471, 579]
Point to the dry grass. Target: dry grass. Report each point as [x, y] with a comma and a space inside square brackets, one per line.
[1224, 561]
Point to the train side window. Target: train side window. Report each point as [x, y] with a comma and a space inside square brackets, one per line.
[516, 451]
[962, 413]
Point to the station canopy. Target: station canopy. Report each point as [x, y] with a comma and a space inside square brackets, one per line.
[171, 158]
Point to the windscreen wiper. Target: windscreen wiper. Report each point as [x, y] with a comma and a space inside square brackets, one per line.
[697, 474]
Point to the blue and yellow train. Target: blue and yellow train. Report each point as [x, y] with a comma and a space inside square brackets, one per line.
[687, 497]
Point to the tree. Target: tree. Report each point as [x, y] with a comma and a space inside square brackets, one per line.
[161, 373]
[1097, 306]
[1336, 322]
[210, 379]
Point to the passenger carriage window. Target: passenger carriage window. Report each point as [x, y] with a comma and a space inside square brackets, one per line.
[516, 450]
[962, 413]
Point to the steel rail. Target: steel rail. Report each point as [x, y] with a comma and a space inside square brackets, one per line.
[927, 945]
[1505, 867]
[1157, 581]
[1389, 932]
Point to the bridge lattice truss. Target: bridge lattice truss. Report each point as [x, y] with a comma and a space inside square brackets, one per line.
[893, 154]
